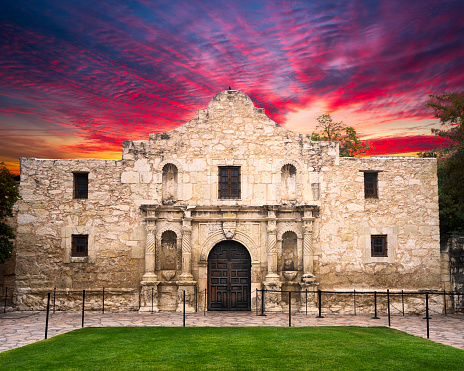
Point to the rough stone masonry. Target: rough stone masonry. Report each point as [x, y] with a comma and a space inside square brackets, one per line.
[230, 202]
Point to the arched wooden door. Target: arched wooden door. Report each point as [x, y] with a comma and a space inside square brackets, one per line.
[229, 277]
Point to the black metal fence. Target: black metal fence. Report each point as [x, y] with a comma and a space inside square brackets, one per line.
[376, 302]
[355, 302]
[346, 302]
[318, 303]
[7, 299]
[103, 299]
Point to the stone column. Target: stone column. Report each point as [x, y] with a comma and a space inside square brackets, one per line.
[186, 282]
[272, 275]
[308, 282]
[308, 249]
[150, 275]
[272, 282]
[186, 247]
[149, 284]
[308, 243]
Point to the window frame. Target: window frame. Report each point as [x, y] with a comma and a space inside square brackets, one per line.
[373, 191]
[75, 245]
[221, 173]
[383, 253]
[79, 191]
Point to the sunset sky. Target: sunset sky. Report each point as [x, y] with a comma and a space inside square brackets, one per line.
[79, 77]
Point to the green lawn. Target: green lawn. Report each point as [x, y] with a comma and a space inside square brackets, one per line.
[236, 348]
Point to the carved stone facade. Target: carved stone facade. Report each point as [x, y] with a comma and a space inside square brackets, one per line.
[300, 211]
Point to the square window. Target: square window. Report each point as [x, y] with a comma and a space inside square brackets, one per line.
[371, 184]
[81, 185]
[379, 245]
[229, 182]
[80, 245]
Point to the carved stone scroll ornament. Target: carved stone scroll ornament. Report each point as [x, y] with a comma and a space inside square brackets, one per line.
[150, 243]
[186, 242]
[308, 244]
[308, 249]
[308, 239]
[229, 229]
[271, 244]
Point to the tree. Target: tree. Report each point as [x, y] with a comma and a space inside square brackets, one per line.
[449, 108]
[9, 194]
[330, 131]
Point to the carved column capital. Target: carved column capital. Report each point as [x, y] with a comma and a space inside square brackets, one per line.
[271, 226]
[186, 229]
[308, 227]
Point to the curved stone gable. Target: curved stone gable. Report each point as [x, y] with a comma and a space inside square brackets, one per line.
[232, 127]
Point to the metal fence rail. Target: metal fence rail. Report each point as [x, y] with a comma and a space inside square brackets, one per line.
[317, 302]
[356, 295]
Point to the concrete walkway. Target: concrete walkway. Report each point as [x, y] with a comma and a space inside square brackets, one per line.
[22, 328]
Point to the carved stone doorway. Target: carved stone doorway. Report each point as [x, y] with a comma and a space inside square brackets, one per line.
[229, 277]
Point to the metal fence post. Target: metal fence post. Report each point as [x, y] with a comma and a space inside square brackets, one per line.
[83, 306]
[354, 301]
[444, 301]
[319, 299]
[103, 301]
[256, 300]
[375, 306]
[196, 298]
[402, 300]
[426, 306]
[289, 309]
[388, 306]
[6, 295]
[306, 293]
[262, 302]
[54, 292]
[48, 311]
[204, 306]
[427, 312]
[183, 319]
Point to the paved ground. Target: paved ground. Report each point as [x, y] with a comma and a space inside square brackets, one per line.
[22, 328]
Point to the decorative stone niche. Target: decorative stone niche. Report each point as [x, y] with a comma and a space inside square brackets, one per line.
[170, 182]
[288, 182]
[169, 255]
[289, 251]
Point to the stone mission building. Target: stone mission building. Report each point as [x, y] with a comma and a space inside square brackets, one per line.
[229, 202]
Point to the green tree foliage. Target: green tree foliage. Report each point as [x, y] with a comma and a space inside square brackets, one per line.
[449, 108]
[9, 194]
[330, 131]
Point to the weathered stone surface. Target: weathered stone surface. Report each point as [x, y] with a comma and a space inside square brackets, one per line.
[169, 183]
[453, 269]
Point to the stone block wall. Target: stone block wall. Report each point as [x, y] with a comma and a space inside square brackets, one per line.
[48, 215]
[231, 132]
[406, 210]
[169, 183]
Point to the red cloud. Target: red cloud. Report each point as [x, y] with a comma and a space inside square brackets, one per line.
[407, 144]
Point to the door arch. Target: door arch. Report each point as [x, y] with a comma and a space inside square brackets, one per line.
[229, 277]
